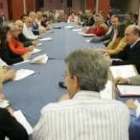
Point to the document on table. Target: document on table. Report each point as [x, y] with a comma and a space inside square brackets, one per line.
[4, 104]
[39, 44]
[124, 71]
[77, 30]
[45, 39]
[69, 27]
[129, 90]
[22, 120]
[22, 62]
[35, 51]
[86, 35]
[23, 73]
[107, 93]
[42, 59]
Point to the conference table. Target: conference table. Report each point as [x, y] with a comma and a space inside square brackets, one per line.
[34, 92]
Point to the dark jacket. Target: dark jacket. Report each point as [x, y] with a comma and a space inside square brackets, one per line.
[9, 57]
[89, 22]
[129, 56]
[26, 42]
[9, 127]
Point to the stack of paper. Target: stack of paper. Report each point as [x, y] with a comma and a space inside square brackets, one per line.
[86, 35]
[128, 90]
[35, 51]
[45, 39]
[22, 120]
[124, 71]
[4, 104]
[23, 73]
[22, 62]
[42, 59]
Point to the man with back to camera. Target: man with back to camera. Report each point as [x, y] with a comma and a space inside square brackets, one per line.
[85, 115]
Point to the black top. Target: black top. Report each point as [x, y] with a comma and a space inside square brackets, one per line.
[129, 56]
[26, 42]
[9, 127]
[9, 57]
[89, 22]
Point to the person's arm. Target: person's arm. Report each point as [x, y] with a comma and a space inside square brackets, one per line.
[135, 80]
[10, 127]
[17, 47]
[122, 44]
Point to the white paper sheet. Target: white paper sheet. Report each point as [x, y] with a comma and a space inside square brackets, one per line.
[107, 93]
[123, 71]
[40, 44]
[4, 104]
[42, 59]
[45, 39]
[23, 73]
[128, 90]
[69, 27]
[77, 30]
[22, 62]
[35, 51]
[22, 120]
[86, 35]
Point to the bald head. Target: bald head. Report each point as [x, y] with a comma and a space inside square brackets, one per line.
[132, 33]
[29, 22]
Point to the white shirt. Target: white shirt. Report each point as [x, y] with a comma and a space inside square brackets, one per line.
[28, 33]
[85, 117]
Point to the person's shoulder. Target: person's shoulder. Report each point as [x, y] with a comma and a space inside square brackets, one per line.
[56, 106]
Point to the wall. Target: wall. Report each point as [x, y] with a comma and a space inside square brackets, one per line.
[104, 6]
[4, 10]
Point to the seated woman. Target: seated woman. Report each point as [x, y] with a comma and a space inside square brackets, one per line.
[9, 126]
[16, 46]
[6, 53]
[117, 44]
[73, 17]
[99, 28]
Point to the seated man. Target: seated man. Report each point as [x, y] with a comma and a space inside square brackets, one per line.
[22, 38]
[130, 55]
[27, 29]
[85, 115]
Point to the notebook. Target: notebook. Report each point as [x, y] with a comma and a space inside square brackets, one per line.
[124, 71]
[42, 59]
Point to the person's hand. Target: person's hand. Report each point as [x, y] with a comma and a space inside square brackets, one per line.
[131, 105]
[26, 56]
[31, 48]
[42, 30]
[35, 42]
[11, 74]
[122, 81]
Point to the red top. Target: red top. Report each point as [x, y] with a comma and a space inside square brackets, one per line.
[99, 31]
[17, 47]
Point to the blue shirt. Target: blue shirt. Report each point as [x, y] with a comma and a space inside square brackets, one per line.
[134, 129]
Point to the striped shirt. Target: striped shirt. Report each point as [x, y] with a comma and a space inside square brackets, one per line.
[85, 117]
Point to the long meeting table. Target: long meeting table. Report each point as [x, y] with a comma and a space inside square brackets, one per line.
[31, 94]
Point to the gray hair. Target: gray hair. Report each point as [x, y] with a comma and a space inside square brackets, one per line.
[90, 68]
